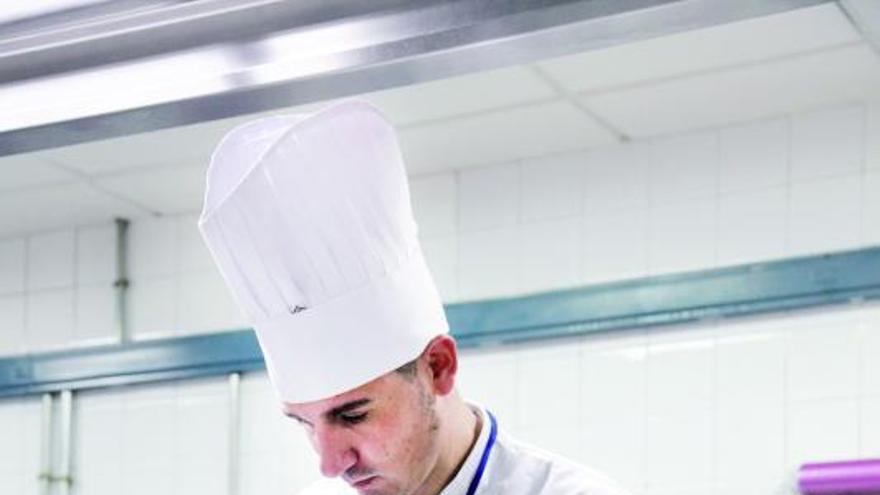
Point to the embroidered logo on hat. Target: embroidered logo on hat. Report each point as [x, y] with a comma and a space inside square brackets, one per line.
[296, 309]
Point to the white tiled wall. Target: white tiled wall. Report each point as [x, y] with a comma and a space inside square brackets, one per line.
[176, 289]
[726, 407]
[20, 445]
[56, 288]
[751, 226]
[171, 438]
[792, 186]
[733, 406]
[159, 249]
[827, 143]
[753, 156]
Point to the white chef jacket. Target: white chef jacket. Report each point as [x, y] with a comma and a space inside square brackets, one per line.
[512, 468]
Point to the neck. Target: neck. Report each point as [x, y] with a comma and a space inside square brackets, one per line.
[457, 439]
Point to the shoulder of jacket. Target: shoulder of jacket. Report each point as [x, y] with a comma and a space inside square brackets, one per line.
[562, 475]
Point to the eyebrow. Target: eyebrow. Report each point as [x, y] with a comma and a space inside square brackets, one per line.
[336, 411]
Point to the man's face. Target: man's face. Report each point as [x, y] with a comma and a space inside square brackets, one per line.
[381, 438]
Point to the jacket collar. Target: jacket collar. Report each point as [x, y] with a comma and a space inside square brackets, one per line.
[461, 481]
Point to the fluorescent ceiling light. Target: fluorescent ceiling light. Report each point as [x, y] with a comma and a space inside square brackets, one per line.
[117, 88]
[16, 10]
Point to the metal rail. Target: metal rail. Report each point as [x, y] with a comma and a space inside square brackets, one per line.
[674, 299]
[269, 54]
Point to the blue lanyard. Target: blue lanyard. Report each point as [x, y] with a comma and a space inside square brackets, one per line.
[475, 482]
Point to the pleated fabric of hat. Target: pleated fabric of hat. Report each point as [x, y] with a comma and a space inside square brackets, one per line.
[308, 218]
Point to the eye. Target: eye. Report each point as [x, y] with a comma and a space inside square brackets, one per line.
[353, 418]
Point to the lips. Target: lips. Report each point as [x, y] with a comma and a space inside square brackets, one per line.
[363, 482]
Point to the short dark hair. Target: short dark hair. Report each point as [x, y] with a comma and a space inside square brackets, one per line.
[409, 369]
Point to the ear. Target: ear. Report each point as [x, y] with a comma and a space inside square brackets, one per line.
[441, 359]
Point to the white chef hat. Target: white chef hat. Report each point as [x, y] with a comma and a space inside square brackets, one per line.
[308, 218]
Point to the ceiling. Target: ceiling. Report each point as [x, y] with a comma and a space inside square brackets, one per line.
[737, 72]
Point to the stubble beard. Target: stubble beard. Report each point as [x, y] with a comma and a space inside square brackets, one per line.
[431, 422]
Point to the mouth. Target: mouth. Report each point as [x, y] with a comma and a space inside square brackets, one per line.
[363, 482]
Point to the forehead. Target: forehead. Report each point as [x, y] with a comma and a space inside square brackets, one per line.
[385, 386]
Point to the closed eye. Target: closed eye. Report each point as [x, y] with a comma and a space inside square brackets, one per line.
[350, 413]
[352, 418]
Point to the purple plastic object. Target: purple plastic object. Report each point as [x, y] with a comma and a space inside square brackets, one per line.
[846, 477]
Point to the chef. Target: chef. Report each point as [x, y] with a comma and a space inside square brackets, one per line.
[308, 218]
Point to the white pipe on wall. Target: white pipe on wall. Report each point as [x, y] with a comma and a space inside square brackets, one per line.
[121, 283]
[234, 427]
[45, 474]
[65, 438]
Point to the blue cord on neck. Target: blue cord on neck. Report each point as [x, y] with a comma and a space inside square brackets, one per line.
[475, 482]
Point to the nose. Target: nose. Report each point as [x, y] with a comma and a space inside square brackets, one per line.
[334, 450]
